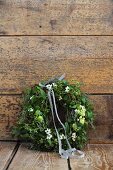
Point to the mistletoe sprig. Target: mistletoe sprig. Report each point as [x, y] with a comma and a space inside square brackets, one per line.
[35, 122]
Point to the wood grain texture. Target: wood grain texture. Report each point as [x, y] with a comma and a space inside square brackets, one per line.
[26, 159]
[6, 150]
[49, 17]
[96, 157]
[28, 60]
[103, 109]
[9, 111]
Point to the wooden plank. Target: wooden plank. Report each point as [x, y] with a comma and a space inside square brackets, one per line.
[27, 159]
[96, 157]
[23, 17]
[6, 149]
[28, 60]
[103, 109]
[9, 111]
[102, 134]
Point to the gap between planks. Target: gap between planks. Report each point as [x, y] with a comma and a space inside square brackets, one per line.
[69, 164]
[37, 160]
[11, 156]
[90, 94]
[49, 35]
[91, 151]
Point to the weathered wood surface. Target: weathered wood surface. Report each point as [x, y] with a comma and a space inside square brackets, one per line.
[27, 159]
[56, 17]
[6, 150]
[96, 157]
[25, 61]
[9, 111]
[103, 108]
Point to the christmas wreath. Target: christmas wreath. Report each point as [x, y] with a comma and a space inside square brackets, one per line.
[46, 130]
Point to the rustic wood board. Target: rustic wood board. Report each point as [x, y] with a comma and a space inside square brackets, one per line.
[6, 149]
[96, 157]
[103, 109]
[28, 60]
[27, 159]
[9, 111]
[56, 17]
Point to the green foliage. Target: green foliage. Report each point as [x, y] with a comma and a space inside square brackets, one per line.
[35, 121]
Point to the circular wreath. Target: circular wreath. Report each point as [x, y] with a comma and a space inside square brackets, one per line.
[35, 122]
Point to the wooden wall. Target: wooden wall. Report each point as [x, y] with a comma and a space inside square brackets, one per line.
[43, 38]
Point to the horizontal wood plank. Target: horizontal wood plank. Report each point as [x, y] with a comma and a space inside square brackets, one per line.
[55, 17]
[103, 111]
[96, 157]
[10, 109]
[27, 159]
[25, 61]
[6, 149]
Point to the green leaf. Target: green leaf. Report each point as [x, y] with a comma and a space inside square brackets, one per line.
[38, 112]
[90, 114]
[73, 106]
[49, 141]
[83, 100]
[74, 126]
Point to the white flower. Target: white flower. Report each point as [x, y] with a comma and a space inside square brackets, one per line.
[62, 136]
[77, 111]
[30, 109]
[60, 98]
[48, 131]
[49, 136]
[67, 89]
[49, 86]
[73, 136]
[31, 97]
[73, 139]
[54, 84]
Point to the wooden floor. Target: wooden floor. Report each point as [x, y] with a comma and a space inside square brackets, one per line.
[14, 156]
